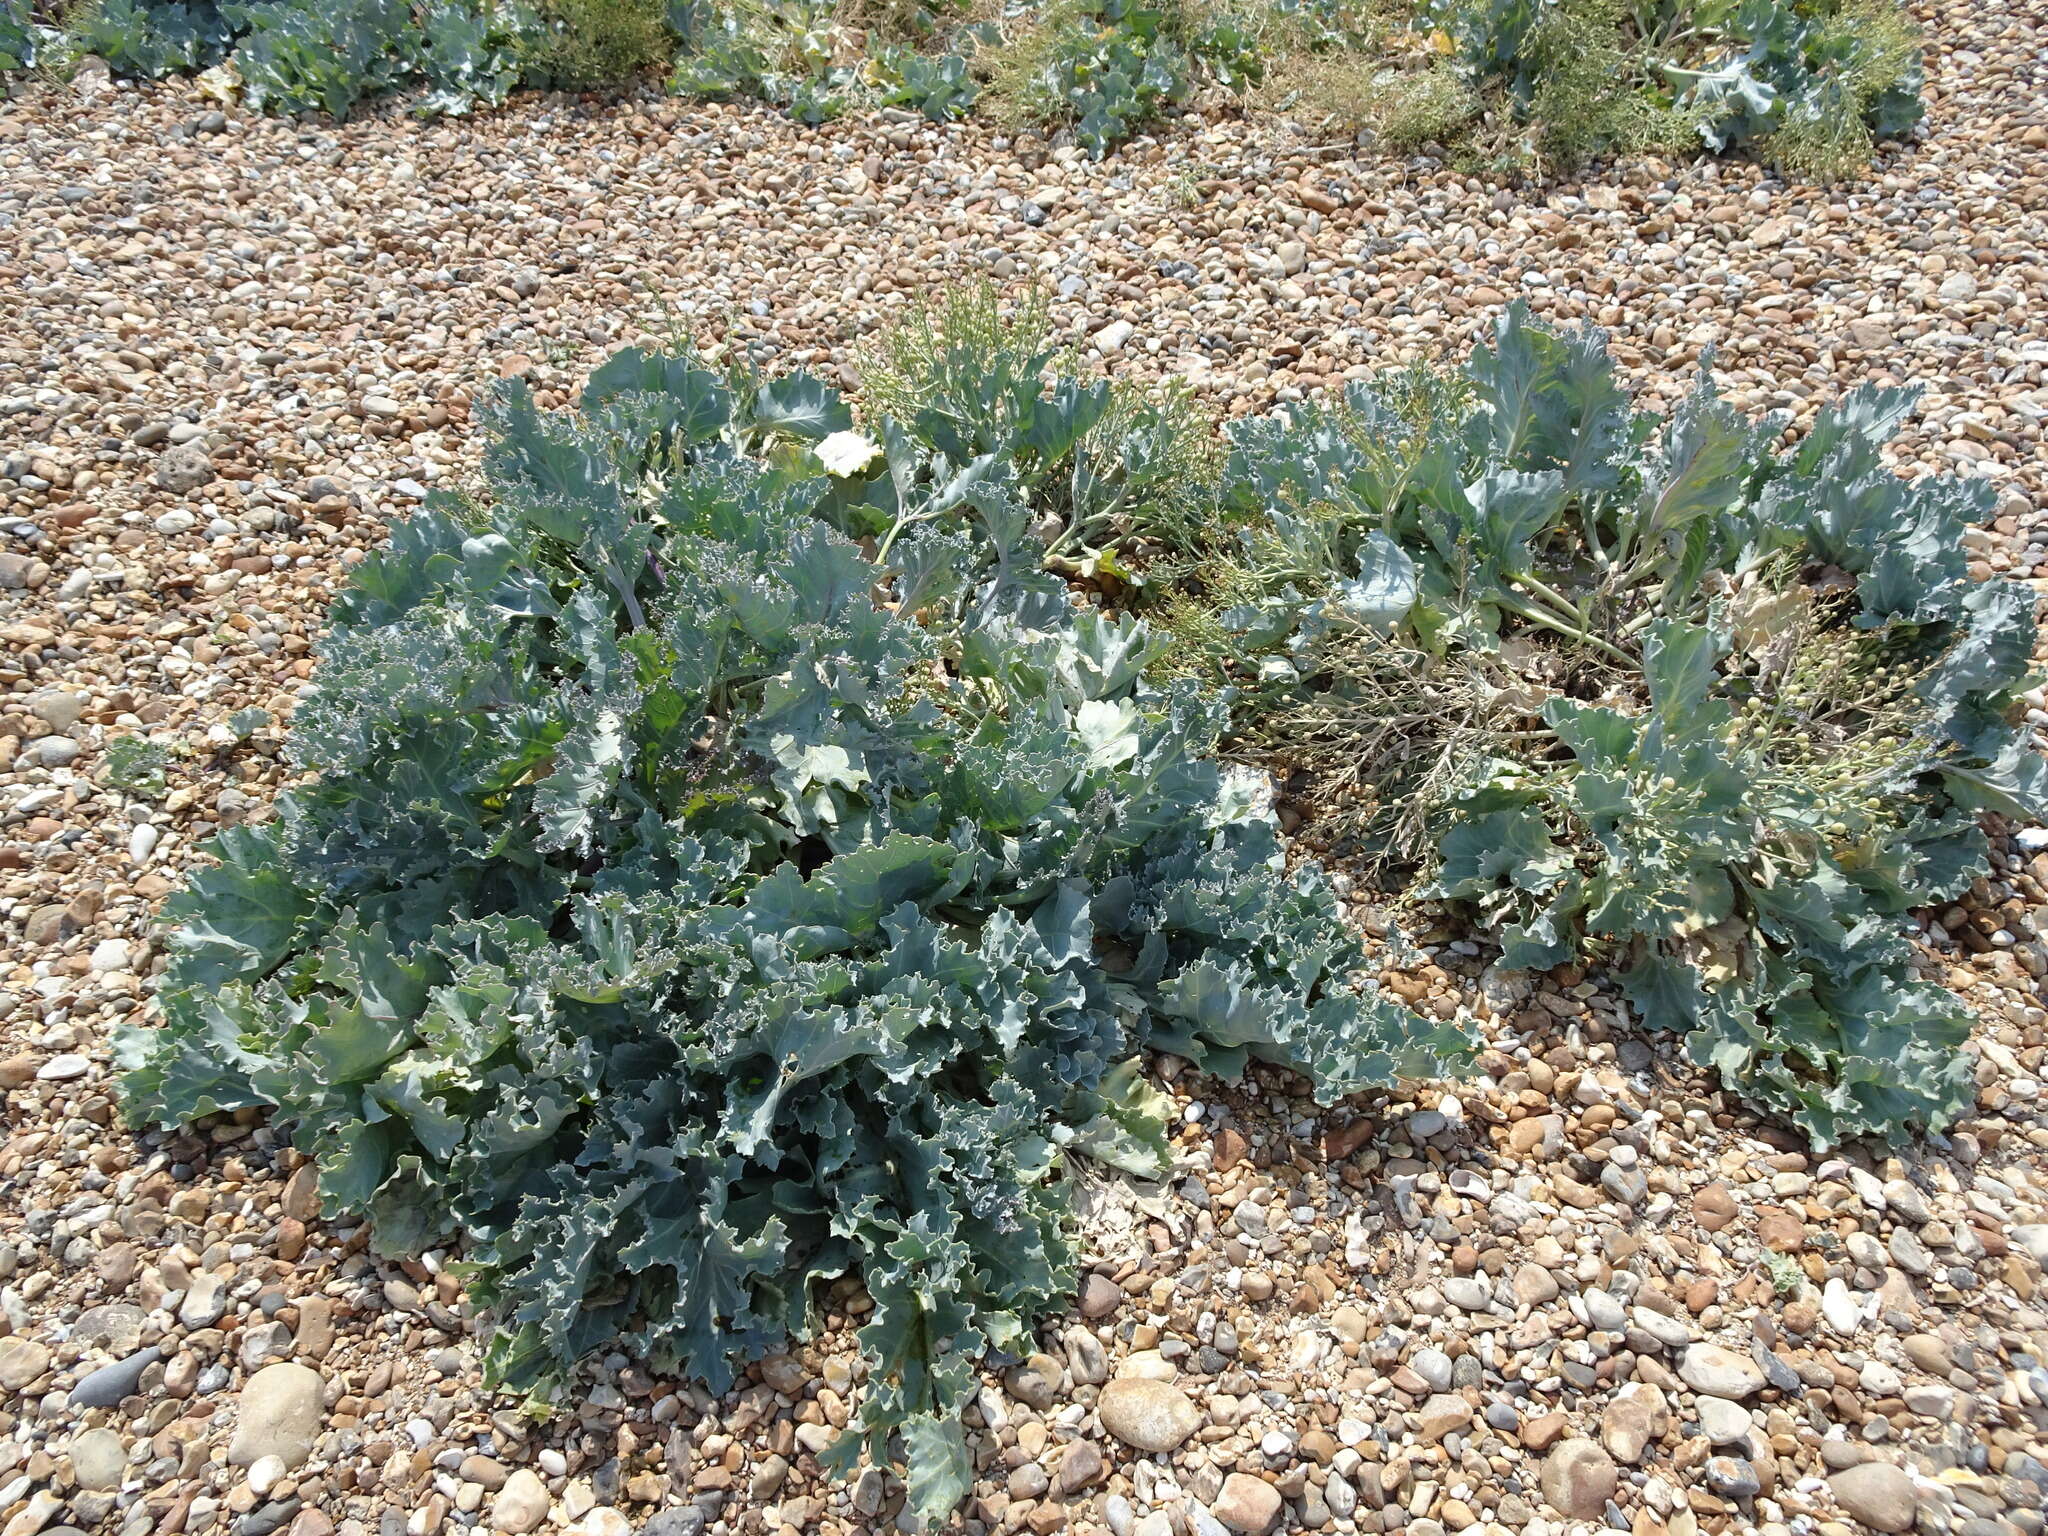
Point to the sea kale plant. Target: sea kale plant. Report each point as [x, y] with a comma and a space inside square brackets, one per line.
[1812, 86]
[1808, 85]
[1659, 691]
[686, 908]
[1506, 85]
[153, 38]
[298, 56]
[320, 55]
[19, 37]
[938, 85]
[1104, 69]
[793, 53]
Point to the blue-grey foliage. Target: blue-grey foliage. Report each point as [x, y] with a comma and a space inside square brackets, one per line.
[686, 910]
[1742, 704]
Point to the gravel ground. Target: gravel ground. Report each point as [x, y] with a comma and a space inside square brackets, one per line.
[1580, 1289]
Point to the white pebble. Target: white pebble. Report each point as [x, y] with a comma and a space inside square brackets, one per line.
[265, 1472]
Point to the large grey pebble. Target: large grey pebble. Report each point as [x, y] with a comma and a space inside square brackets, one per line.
[110, 1383]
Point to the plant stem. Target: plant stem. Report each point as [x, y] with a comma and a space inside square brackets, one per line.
[623, 585]
[1555, 598]
[1639, 623]
[901, 523]
[1626, 533]
[1556, 625]
[1592, 532]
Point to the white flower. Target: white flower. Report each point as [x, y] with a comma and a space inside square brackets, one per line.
[847, 453]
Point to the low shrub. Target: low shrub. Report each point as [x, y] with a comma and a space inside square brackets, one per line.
[1114, 474]
[938, 85]
[1337, 83]
[688, 909]
[1815, 86]
[896, 22]
[738, 855]
[135, 765]
[589, 43]
[1655, 691]
[806, 56]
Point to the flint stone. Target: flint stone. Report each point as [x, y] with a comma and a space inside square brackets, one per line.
[1578, 1479]
[1718, 1372]
[110, 1383]
[278, 1414]
[1151, 1415]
